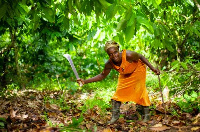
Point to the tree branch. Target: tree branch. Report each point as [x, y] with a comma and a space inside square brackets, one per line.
[197, 4]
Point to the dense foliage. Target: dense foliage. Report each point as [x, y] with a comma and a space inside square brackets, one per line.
[35, 34]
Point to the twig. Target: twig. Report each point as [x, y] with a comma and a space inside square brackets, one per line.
[162, 96]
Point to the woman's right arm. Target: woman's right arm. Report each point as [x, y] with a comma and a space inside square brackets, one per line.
[98, 77]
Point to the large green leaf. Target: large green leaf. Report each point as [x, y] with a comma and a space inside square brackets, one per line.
[143, 21]
[129, 32]
[121, 25]
[132, 19]
[123, 22]
[131, 27]
[111, 11]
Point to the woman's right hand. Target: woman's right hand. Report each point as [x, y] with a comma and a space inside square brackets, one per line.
[80, 82]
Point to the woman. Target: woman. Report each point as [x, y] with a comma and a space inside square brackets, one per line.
[131, 82]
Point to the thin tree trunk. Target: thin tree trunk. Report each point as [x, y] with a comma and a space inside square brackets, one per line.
[18, 69]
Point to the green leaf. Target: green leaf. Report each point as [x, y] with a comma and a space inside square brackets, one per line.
[169, 47]
[70, 6]
[49, 14]
[2, 119]
[190, 2]
[143, 21]
[123, 22]
[196, 31]
[121, 39]
[175, 64]
[36, 21]
[130, 31]
[156, 30]
[132, 19]
[71, 47]
[116, 38]
[121, 25]
[104, 3]
[75, 122]
[128, 14]
[2, 125]
[156, 43]
[197, 66]
[24, 7]
[194, 94]
[66, 23]
[187, 97]
[111, 11]
[162, 29]
[184, 65]
[158, 2]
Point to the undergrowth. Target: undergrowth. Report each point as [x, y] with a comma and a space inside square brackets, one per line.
[100, 93]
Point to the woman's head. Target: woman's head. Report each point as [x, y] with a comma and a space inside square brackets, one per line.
[112, 49]
[110, 44]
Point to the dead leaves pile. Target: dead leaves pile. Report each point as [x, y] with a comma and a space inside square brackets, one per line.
[32, 111]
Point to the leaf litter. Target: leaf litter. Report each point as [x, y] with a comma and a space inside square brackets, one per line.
[32, 110]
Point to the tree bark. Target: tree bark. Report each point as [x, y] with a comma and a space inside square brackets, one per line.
[16, 57]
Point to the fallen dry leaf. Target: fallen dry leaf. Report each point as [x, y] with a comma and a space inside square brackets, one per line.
[88, 126]
[54, 106]
[107, 130]
[13, 113]
[195, 128]
[176, 123]
[159, 127]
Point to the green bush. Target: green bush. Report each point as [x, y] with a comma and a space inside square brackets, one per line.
[189, 102]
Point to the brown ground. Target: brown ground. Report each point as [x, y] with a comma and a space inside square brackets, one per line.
[32, 111]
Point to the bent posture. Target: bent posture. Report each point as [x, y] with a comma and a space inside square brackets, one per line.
[131, 81]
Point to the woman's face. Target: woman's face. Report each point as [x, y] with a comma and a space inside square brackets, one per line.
[114, 55]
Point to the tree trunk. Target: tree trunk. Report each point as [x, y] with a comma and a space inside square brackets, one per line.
[17, 66]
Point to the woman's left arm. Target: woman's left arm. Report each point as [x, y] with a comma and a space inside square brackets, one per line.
[145, 61]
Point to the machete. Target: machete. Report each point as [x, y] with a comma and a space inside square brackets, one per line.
[72, 66]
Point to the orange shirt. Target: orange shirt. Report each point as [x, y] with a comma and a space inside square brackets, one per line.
[131, 82]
